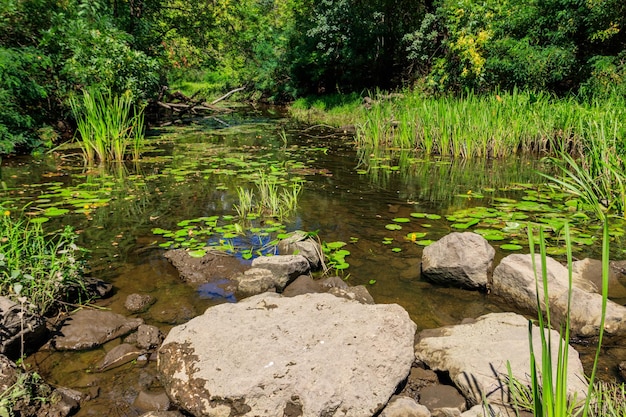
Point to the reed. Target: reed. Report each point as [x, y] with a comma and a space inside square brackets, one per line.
[491, 126]
[108, 125]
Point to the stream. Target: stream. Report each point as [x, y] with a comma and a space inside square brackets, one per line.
[194, 170]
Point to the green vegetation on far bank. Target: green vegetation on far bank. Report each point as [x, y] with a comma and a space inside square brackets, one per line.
[285, 49]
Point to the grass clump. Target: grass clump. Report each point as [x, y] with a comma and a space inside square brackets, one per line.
[38, 267]
[273, 198]
[108, 125]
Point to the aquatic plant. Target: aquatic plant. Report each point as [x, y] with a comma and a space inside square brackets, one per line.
[108, 125]
[37, 266]
[276, 200]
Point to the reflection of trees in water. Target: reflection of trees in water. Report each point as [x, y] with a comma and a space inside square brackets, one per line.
[440, 180]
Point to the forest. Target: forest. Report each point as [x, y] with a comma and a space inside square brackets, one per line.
[279, 50]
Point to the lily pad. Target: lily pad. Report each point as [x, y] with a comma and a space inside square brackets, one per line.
[511, 246]
[392, 226]
[401, 220]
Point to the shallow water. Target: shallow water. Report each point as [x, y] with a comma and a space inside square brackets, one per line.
[187, 174]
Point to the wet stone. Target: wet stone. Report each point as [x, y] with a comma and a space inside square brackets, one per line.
[87, 329]
[148, 337]
[152, 401]
[119, 356]
[137, 303]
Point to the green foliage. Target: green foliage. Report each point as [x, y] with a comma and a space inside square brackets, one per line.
[21, 88]
[551, 45]
[108, 125]
[89, 50]
[27, 388]
[36, 266]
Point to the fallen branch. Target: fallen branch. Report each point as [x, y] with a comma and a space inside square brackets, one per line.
[231, 92]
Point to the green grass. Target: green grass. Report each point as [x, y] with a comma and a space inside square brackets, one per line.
[336, 110]
[108, 126]
[35, 267]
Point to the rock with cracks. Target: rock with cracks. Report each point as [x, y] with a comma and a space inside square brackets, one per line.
[514, 280]
[476, 355]
[459, 259]
[268, 355]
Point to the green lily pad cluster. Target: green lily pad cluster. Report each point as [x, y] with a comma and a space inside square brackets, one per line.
[506, 220]
[222, 233]
[335, 255]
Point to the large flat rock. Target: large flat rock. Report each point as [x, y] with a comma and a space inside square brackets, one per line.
[476, 355]
[268, 355]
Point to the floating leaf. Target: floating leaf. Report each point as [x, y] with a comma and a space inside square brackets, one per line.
[335, 245]
[55, 211]
[510, 246]
[418, 215]
[39, 220]
[392, 226]
[199, 253]
[401, 220]
[396, 250]
[433, 216]
[425, 242]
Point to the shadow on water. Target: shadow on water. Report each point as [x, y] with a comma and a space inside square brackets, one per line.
[193, 171]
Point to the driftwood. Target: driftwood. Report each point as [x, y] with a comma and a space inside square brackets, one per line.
[180, 104]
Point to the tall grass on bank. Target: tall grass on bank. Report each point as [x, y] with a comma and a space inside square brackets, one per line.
[36, 266]
[598, 176]
[493, 125]
[108, 125]
[587, 179]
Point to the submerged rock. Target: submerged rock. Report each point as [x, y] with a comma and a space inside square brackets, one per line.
[118, 356]
[476, 355]
[137, 303]
[213, 266]
[268, 355]
[86, 329]
[459, 259]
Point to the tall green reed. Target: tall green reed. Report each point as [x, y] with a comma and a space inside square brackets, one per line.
[108, 125]
[494, 125]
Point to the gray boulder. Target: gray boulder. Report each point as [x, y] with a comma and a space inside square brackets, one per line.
[476, 355]
[86, 329]
[285, 268]
[268, 355]
[514, 280]
[459, 259]
[300, 244]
